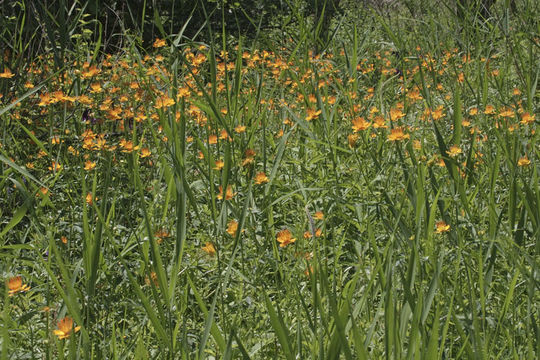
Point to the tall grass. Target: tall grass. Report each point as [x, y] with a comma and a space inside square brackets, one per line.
[146, 194]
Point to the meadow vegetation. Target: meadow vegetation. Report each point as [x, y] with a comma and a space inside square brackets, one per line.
[364, 187]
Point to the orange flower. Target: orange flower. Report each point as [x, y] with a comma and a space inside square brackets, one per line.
[414, 94]
[15, 285]
[490, 110]
[127, 146]
[228, 195]
[312, 114]
[397, 134]
[160, 235]
[261, 178]
[92, 71]
[249, 157]
[284, 237]
[89, 199]
[224, 135]
[43, 191]
[159, 43]
[218, 165]
[437, 113]
[442, 227]
[318, 215]
[507, 112]
[232, 227]
[145, 152]
[360, 124]
[307, 234]
[153, 278]
[209, 249]
[89, 165]
[212, 139]
[527, 118]
[395, 114]
[378, 122]
[65, 328]
[95, 88]
[55, 166]
[351, 139]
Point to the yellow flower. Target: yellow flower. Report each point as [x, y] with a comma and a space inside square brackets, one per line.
[442, 227]
[285, 238]
[65, 328]
[240, 129]
[261, 178]
[524, 161]
[7, 74]
[397, 134]
[218, 165]
[15, 285]
[164, 101]
[453, 151]
[209, 249]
